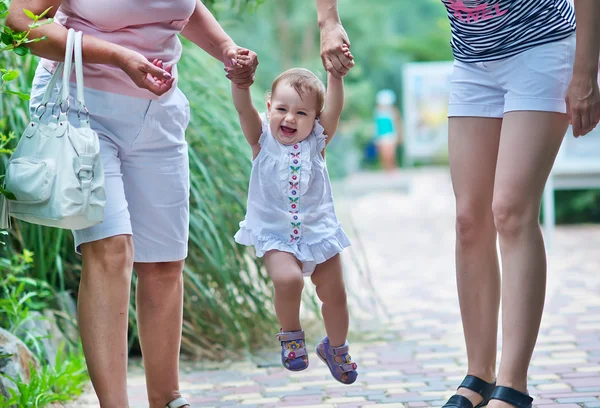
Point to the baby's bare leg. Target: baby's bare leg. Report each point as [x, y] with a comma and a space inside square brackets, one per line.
[284, 270]
[329, 280]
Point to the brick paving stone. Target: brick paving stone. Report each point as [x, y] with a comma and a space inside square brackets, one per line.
[587, 389]
[576, 400]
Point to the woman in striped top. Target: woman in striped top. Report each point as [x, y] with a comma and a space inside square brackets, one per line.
[515, 64]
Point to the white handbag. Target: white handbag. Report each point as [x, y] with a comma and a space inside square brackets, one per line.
[55, 173]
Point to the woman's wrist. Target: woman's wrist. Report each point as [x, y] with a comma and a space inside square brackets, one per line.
[585, 69]
[329, 21]
[225, 46]
[117, 55]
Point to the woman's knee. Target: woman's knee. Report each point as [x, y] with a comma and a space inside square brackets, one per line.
[112, 255]
[161, 271]
[512, 215]
[473, 223]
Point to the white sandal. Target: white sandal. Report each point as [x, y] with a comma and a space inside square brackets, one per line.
[178, 403]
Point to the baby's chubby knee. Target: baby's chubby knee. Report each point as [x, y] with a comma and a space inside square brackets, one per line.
[290, 283]
[332, 292]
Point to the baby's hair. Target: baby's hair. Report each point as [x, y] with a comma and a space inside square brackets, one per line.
[304, 82]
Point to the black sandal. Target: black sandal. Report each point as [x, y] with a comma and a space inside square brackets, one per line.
[512, 396]
[474, 384]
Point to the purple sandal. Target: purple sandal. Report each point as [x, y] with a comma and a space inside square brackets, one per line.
[293, 349]
[338, 360]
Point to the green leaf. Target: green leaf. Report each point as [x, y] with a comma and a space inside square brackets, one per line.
[19, 35]
[46, 21]
[34, 40]
[10, 75]
[37, 24]
[3, 14]
[45, 12]
[7, 194]
[7, 30]
[30, 14]
[6, 38]
[22, 95]
[22, 51]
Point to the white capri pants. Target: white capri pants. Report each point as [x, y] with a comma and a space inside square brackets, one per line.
[145, 158]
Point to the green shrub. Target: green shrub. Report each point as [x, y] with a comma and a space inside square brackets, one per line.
[62, 382]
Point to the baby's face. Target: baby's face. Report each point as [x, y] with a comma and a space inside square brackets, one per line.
[291, 117]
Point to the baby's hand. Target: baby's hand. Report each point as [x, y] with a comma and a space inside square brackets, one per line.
[240, 66]
[346, 51]
[168, 68]
[242, 58]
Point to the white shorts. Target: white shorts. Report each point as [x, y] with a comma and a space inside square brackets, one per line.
[534, 80]
[145, 157]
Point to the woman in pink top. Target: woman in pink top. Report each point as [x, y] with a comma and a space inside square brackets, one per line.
[130, 52]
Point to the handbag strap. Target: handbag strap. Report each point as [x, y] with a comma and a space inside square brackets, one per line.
[68, 69]
[79, 78]
[61, 70]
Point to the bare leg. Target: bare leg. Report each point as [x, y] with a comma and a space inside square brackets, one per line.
[473, 148]
[387, 154]
[103, 307]
[528, 147]
[329, 280]
[285, 271]
[159, 300]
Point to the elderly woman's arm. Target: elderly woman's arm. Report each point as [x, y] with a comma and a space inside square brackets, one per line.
[206, 32]
[95, 51]
[583, 96]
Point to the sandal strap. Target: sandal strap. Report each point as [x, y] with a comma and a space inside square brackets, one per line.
[478, 385]
[347, 367]
[178, 403]
[341, 350]
[291, 336]
[458, 401]
[511, 396]
[299, 353]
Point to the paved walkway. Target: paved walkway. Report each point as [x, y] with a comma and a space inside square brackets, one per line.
[409, 345]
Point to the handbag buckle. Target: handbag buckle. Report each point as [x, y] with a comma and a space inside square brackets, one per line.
[85, 110]
[36, 111]
[90, 171]
[60, 108]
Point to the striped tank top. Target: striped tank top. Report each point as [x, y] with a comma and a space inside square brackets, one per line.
[487, 30]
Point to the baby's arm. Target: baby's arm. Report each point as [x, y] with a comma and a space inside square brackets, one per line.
[249, 117]
[334, 103]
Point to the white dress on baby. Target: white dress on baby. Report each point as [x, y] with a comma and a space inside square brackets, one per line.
[290, 203]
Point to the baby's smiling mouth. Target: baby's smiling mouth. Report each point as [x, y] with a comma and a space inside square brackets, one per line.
[287, 131]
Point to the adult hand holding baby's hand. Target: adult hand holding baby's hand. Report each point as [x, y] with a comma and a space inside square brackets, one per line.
[334, 49]
[143, 73]
[240, 65]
